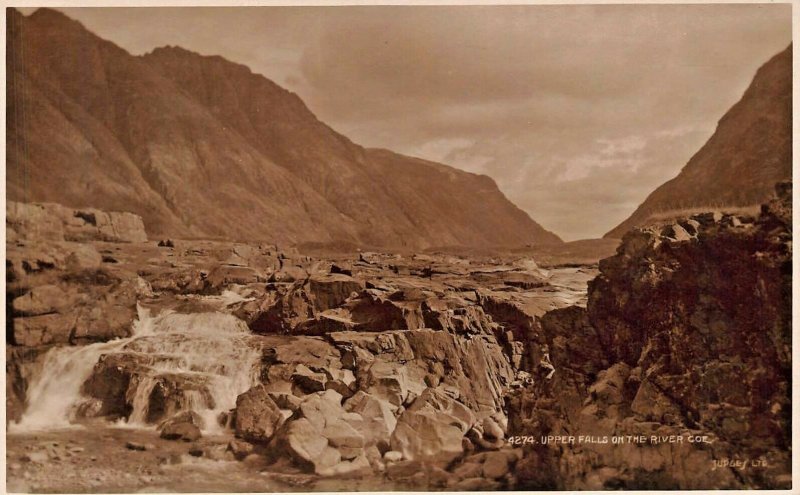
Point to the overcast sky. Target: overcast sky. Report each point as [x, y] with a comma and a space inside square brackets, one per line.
[578, 112]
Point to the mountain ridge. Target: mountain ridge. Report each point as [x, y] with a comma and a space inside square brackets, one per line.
[749, 152]
[201, 146]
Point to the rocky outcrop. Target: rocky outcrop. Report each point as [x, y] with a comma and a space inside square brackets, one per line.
[61, 287]
[749, 152]
[371, 363]
[683, 352]
[80, 305]
[340, 402]
[49, 221]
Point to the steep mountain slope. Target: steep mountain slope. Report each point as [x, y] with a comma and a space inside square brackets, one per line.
[750, 151]
[432, 200]
[202, 147]
[210, 181]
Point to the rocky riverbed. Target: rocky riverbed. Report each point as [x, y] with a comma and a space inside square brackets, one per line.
[197, 365]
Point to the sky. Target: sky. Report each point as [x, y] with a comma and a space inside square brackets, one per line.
[577, 111]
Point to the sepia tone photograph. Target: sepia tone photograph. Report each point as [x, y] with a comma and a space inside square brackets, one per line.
[373, 248]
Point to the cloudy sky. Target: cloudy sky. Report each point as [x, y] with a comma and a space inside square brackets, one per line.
[578, 112]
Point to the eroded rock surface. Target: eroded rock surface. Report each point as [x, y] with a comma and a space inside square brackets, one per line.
[51, 221]
[424, 369]
[687, 334]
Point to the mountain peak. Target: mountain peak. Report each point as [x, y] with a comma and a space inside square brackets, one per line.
[51, 17]
[750, 151]
[201, 146]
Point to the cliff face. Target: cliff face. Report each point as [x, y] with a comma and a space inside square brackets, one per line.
[199, 146]
[687, 332]
[750, 151]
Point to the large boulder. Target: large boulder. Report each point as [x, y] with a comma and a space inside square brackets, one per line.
[50, 221]
[223, 275]
[322, 437]
[84, 257]
[45, 329]
[257, 415]
[127, 385]
[378, 416]
[41, 300]
[330, 291]
[432, 428]
[183, 426]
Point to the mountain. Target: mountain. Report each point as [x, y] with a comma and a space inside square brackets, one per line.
[203, 147]
[749, 152]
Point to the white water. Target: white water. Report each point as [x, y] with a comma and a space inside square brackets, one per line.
[210, 349]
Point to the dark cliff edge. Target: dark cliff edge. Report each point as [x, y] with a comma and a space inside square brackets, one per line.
[687, 333]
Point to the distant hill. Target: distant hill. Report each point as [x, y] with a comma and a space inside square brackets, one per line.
[202, 147]
[750, 151]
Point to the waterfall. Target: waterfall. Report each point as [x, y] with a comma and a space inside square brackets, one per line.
[211, 354]
[53, 394]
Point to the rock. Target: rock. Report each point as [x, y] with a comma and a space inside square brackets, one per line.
[359, 466]
[288, 274]
[496, 465]
[35, 457]
[491, 430]
[287, 401]
[41, 300]
[84, 257]
[378, 419]
[33, 221]
[526, 281]
[50, 221]
[432, 428]
[106, 318]
[475, 484]
[173, 391]
[438, 477]
[196, 452]
[183, 426]
[240, 449]
[403, 469]
[388, 381]
[309, 381]
[342, 381]
[676, 313]
[395, 364]
[393, 456]
[224, 275]
[282, 311]
[469, 470]
[342, 268]
[342, 434]
[325, 438]
[45, 329]
[257, 415]
[305, 444]
[330, 291]
[322, 408]
[135, 446]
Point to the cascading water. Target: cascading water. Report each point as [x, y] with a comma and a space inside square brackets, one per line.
[208, 357]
